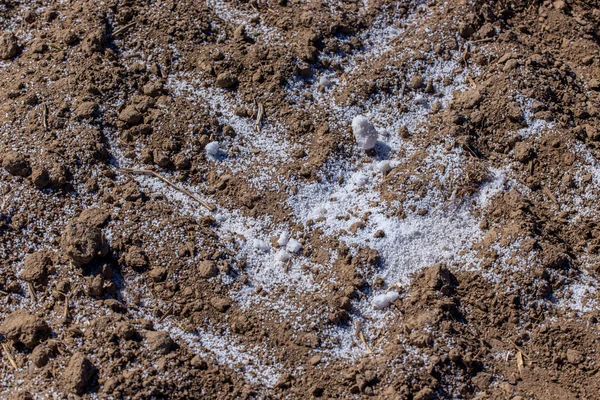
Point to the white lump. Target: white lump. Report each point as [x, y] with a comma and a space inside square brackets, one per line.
[212, 149]
[384, 300]
[293, 246]
[325, 82]
[364, 132]
[283, 239]
[384, 166]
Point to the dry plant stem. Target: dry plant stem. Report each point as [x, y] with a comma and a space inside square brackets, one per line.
[9, 356]
[66, 316]
[45, 116]
[31, 290]
[362, 337]
[208, 206]
[259, 117]
[123, 29]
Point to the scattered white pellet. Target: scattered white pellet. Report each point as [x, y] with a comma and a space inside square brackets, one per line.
[325, 82]
[283, 239]
[384, 166]
[283, 256]
[384, 300]
[293, 246]
[364, 132]
[212, 149]
[260, 245]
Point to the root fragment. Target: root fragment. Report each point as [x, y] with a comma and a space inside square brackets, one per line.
[9, 355]
[259, 117]
[209, 206]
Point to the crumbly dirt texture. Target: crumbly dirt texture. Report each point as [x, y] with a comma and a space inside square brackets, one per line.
[186, 211]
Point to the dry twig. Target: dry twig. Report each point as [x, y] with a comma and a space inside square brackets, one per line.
[66, 315]
[259, 117]
[123, 29]
[45, 116]
[9, 355]
[31, 290]
[210, 207]
[360, 335]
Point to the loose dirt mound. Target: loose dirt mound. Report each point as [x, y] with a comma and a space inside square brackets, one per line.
[289, 199]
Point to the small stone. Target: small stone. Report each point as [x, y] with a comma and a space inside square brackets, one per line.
[523, 151]
[424, 394]
[40, 177]
[41, 355]
[226, 80]
[314, 360]
[240, 32]
[595, 84]
[153, 89]
[575, 357]
[23, 327]
[482, 380]
[220, 304]
[510, 65]
[8, 47]
[16, 163]
[35, 267]
[416, 82]
[126, 330]
[78, 373]
[199, 363]
[160, 342]
[379, 234]
[96, 286]
[131, 116]
[83, 242]
[87, 109]
[135, 258]
[469, 99]
[208, 269]
[158, 274]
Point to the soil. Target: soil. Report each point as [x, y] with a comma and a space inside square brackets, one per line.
[186, 211]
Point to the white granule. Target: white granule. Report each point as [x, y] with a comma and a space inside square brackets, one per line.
[325, 82]
[293, 246]
[260, 245]
[364, 132]
[283, 239]
[283, 256]
[384, 300]
[384, 166]
[212, 149]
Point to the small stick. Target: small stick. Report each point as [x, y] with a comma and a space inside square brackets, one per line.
[9, 356]
[66, 316]
[3, 293]
[31, 290]
[165, 315]
[287, 265]
[210, 207]
[482, 40]
[123, 29]
[259, 117]
[362, 337]
[549, 194]
[45, 116]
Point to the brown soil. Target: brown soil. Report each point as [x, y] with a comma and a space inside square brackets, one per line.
[185, 211]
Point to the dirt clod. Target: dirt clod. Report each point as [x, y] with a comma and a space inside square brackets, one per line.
[23, 327]
[79, 373]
